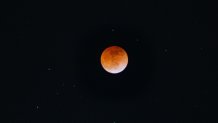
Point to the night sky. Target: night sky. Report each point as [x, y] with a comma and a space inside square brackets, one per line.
[55, 74]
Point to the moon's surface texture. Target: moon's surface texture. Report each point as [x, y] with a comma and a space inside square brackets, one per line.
[114, 59]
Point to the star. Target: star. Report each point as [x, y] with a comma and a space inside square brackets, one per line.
[57, 93]
[49, 69]
[37, 107]
[165, 50]
[62, 84]
[137, 39]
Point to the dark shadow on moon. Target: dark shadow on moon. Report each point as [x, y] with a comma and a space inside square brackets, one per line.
[131, 82]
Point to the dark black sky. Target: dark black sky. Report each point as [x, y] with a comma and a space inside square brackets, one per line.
[54, 67]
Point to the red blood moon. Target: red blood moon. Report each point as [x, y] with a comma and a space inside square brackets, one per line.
[114, 59]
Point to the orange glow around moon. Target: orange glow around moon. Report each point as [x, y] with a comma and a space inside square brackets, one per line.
[114, 59]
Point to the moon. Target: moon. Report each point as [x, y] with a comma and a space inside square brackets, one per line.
[114, 59]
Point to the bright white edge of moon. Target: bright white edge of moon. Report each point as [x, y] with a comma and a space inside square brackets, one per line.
[117, 69]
